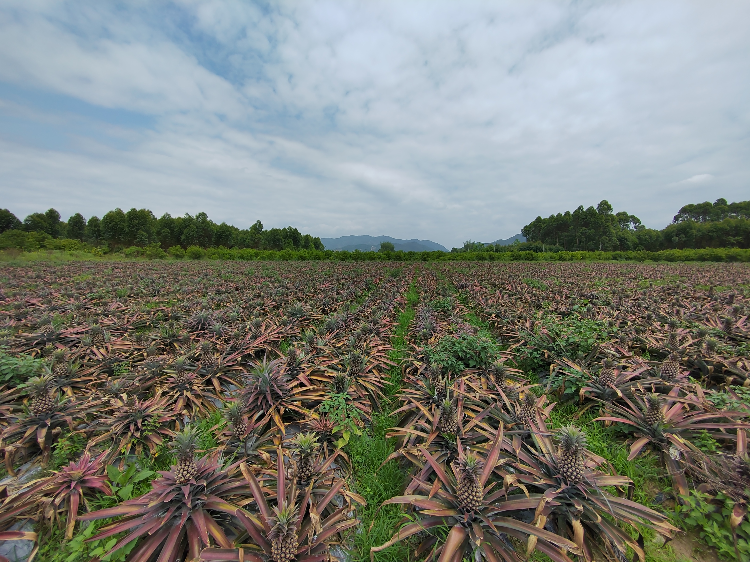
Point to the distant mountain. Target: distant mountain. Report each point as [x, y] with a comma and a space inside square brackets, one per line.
[509, 241]
[366, 243]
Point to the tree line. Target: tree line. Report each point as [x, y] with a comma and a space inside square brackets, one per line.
[140, 228]
[703, 225]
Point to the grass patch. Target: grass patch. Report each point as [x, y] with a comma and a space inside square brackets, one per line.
[375, 481]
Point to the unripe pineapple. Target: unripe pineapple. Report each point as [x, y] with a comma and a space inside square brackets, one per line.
[468, 489]
[570, 457]
[526, 410]
[672, 342]
[340, 383]
[670, 368]
[59, 367]
[208, 360]
[306, 447]
[184, 446]
[448, 422]
[235, 417]
[607, 375]
[97, 335]
[283, 535]
[42, 399]
[654, 415]
[181, 375]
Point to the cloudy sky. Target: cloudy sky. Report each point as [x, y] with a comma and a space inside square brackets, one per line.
[438, 120]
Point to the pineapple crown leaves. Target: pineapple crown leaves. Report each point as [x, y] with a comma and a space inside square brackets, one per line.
[234, 412]
[470, 465]
[571, 438]
[185, 443]
[42, 384]
[282, 521]
[305, 443]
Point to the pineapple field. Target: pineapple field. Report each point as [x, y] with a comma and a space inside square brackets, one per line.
[313, 411]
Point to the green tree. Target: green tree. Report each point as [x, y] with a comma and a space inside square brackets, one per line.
[36, 222]
[114, 227]
[53, 222]
[9, 221]
[387, 247]
[223, 235]
[139, 227]
[76, 227]
[93, 229]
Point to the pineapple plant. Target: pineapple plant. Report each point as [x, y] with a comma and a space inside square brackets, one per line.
[670, 369]
[183, 447]
[305, 446]
[607, 375]
[570, 457]
[469, 489]
[283, 536]
[654, 415]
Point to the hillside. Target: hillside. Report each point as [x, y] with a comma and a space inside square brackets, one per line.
[366, 243]
[509, 241]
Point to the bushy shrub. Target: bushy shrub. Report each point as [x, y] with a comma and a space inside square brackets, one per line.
[456, 353]
[154, 252]
[195, 253]
[176, 252]
[133, 252]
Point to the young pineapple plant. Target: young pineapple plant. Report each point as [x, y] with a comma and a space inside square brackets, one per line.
[469, 490]
[184, 446]
[306, 447]
[283, 535]
[570, 456]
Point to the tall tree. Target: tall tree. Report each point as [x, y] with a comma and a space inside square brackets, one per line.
[76, 227]
[9, 221]
[93, 229]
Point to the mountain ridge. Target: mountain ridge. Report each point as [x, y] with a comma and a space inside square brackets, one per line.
[366, 242]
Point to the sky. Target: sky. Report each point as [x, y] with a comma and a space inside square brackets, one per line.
[439, 120]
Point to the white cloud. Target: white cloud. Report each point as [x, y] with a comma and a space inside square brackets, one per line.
[419, 119]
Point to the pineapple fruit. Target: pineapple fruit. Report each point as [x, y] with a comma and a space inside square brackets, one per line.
[670, 368]
[653, 414]
[570, 457]
[448, 422]
[607, 375]
[469, 489]
[283, 535]
[184, 446]
[306, 447]
[42, 398]
[235, 417]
